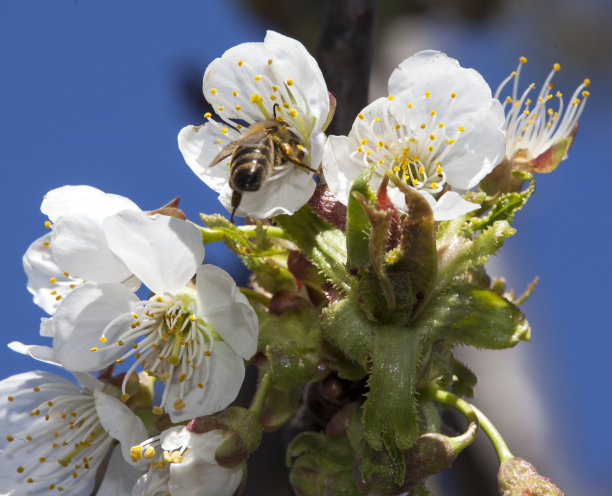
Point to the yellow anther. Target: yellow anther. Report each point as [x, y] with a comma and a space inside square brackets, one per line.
[255, 98]
[42, 459]
[136, 453]
[157, 410]
[240, 63]
[453, 95]
[102, 339]
[36, 389]
[239, 127]
[47, 244]
[451, 141]
[149, 452]
[440, 124]
[380, 162]
[397, 126]
[439, 171]
[160, 299]
[391, 97]
[293, 113]
[360, 116]
[432, 112]
[430, 148]
[10, 438]
[557, 67]
[47, 224]
[461, 129]
[20, 469]
[586, 82]
[207, 353]
[53, 280]
[409, 106]
[585, 93]
[182, 377]
[434, 185]
[200, 385]
[213, 91]
[421, 170]
[257, 78]
[220, 108]
[432, 137]
[179, 404]
[120, 343]
[53, 293]
[234, 92]
[93, 349]
[119, 360]
[289, 82]
[364, 141]
[427, 94]
[423, 126]
[269, 61]
[380, 143]
[29, 438]
[125, 397]
[11, 398]
[58, 297]
[523, 60]
[207, 115]
[223, 130]
[275, 88]
[415, 181]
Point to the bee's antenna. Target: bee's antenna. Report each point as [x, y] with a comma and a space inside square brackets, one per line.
[274, 109]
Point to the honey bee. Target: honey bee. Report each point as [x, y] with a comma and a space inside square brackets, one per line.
[262, 147]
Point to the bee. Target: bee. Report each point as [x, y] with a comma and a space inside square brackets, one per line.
[262, 147]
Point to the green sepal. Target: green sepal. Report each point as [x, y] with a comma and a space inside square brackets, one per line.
[412, 266]
[378, 471]
[323, 245]
[465, 380]
[279, 408]
[506, 204]
[292, 345]
[348, 329]
[321, 465]
[345, 367]
[457, 253]
[389, 415]
[358, 224]
[264, 258]
[474, 316]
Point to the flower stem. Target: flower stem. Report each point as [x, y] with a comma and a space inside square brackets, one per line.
[261, 394]
[501, 448]
[469, 411]
[212, 235]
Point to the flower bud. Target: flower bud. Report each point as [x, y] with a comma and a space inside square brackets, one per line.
[518, 477]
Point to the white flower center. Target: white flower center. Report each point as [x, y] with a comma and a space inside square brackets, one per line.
[65, 447]
[165, 335]
[414, 147]
[532, 127]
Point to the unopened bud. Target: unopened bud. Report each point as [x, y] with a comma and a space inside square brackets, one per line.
[518, 477]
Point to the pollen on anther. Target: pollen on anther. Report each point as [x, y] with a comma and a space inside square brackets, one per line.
[20, 469]
[240, 63]
[523, 60]
[224, 130]
[182, 377]
[361, 116]
[422, 126]
[207, 115]
[289, 82]
[125, 397]
[102, 339]
[434, 185]
[10, 439]
[200, 385]
[220, 108]
[36, 389]
[157, 410]
[453, 95]
[586, 82]
[207, 353]
[93, 349]
[47, 224]
[391, 97]
[257, 78]
[213, 91]
[238, 107]
[179, 404]
[427, 94]
[53, 280]
[11, 398]
[557, 67]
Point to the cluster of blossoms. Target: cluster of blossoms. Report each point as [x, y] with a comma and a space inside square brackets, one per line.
[371, 262]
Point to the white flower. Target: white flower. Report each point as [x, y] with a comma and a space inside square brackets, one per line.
[256, 82]
[57, 436]
[61, 260]
[185, 465]
[194, 339]
[537, 135]
[439, 128]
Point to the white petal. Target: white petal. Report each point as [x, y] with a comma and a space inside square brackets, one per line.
[221, 386]
[38, 352]
[120, 422]
[77, 239]
[174, 438]
[79, 321]
[205, 445]
[120, 477]
[46, 281]
[199, 147]
[160, 250]
[303, 69]
[284, 195]
[451, 205]
[339, 170]
[226, 310]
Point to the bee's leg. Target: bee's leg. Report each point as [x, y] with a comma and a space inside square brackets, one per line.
[236, 199]
[287, 152]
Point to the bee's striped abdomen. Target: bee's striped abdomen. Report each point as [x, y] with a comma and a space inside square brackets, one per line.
[251, 165]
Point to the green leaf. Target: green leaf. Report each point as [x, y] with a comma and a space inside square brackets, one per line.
[389, 414]
[279, 408]
[321, 465]
[506, 205]
[348, 329]
[258, 252]
[324, 245]
[358, 224]
[474, 316]
[292, 345]
[457, 253]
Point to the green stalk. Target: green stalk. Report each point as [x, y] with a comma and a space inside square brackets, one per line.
[260, 395]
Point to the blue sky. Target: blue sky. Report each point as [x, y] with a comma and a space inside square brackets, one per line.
[91, 93]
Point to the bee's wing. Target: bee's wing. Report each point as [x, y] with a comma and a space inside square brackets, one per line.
[224, 153]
